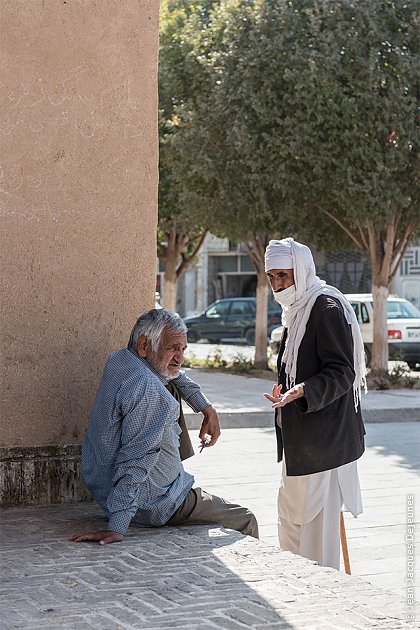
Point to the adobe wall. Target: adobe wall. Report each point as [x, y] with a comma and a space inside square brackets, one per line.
[78, 220]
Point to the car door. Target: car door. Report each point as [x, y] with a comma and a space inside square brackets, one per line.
[240, 318]
[361, 310]
[213, 326]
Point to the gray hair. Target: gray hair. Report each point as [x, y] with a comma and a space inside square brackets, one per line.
[152, 324]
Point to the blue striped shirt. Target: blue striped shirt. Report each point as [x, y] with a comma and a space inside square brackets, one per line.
[130, 456]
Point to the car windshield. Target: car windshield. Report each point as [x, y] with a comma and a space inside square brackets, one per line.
[402, 310]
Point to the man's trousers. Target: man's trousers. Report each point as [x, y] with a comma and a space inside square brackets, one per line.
[201, 507]
[309, 512]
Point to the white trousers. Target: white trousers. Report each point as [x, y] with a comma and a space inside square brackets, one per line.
[309, 512]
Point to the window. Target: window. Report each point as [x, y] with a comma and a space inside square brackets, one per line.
[218, 310]
[365, 314]
[355, 306]
[402, 310]
[241, 308]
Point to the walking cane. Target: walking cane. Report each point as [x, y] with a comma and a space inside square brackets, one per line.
[344, 547]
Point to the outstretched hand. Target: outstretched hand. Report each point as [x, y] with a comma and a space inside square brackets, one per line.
[210, 428]
[280, 400]
[103, 537]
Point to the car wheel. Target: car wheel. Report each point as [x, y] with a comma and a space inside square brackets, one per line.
[192, 336]
[250, 337]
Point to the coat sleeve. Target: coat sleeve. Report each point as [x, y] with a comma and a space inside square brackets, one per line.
[334, 348]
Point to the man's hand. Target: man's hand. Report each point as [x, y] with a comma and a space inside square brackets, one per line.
[280, 400]
[103, 538]
[210, 427]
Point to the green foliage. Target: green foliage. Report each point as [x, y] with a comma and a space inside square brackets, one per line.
[238, 364]
[351, 93]
[400, 376]
[241, 364]
[181, 220]
[294, 117]
[303, 111]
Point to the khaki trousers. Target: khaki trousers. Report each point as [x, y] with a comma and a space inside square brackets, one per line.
[200, 506]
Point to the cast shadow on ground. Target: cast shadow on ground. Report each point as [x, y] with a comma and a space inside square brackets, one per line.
[157, 578]
[401, 439]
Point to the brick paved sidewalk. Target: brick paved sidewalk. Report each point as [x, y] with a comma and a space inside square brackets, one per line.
[185, 578]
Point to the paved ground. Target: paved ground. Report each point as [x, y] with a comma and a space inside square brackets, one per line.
[242, 467]
[240, 401]
[206, 578]
[189, 578]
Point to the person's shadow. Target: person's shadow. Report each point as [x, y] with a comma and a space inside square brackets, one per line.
[156, 578]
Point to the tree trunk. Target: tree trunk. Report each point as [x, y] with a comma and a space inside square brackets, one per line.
[256, 252]
[381, 253]
[380, 351]
[177, 260]
[170, 283]
[260, 361]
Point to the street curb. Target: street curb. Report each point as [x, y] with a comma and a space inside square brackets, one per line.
[263, 420]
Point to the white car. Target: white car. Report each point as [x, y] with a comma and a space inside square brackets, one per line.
[275, 338]
[403, 320]
[403, 328]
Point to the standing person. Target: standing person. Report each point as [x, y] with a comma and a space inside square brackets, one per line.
[319, 426]
[136, 437]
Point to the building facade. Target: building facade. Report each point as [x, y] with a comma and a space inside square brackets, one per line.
[224, 269]
[78, 222]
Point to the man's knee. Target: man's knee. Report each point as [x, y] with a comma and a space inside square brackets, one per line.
[251, 529]
[213, 509]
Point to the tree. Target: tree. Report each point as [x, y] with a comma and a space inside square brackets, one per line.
[348, 139]
[304, 124]
[181, 228]
[312, 122]
[227, 159]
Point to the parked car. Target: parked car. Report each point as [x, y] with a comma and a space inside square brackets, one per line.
[403, 320]
[275, 338]
[230, 318]
[403, 328]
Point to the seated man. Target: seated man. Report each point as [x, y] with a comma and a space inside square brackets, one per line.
[131, 458]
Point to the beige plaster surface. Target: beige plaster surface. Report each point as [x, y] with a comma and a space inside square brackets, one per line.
[78, 202]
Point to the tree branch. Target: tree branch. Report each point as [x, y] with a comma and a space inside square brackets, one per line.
[187, 260]
[399, 252]
[389, 248]
[345, 229]
[363, 237]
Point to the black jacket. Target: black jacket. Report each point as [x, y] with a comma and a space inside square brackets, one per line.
[322, 430]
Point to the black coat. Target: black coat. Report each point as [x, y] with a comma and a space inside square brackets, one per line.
[322, 430]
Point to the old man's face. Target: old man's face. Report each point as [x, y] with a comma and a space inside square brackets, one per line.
[169, 357]
[280, 279]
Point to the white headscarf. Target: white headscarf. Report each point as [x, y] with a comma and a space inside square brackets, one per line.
[297, 302]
